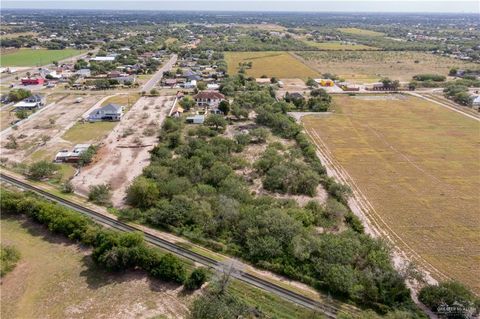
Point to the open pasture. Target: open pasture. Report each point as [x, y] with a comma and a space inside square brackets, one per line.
[30, 57]
[271, 64]
[417, 165]
[366, 67]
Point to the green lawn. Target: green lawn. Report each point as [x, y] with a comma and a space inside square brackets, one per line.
[88, 132]
[29, 57]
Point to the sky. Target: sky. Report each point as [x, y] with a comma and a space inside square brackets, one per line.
[448, 6]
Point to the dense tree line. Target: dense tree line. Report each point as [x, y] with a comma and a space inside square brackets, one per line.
[113, 250]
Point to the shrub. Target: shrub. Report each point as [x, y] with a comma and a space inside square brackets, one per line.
[40, 170]
[9, 258]
[99, 194]
[67, 187]
[196, 278]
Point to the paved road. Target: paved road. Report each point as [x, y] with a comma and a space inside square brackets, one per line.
[159, 74]
[329, 311]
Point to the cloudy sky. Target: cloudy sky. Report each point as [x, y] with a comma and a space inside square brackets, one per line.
[255, 5]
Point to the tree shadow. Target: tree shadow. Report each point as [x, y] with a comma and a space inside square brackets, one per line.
[38, 230]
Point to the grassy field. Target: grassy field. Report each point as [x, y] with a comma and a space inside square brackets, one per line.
[123, 99]
[57, 279]
[356, 31]
[29, 57]
[339, 46]
[88, 132]
[418, 165]
[271, 64]
[371, 66]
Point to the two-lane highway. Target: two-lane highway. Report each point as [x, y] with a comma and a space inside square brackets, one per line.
[159, 74]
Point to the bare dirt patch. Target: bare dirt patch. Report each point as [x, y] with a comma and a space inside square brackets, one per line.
[58, 279]
[125, 152]
[42, 131]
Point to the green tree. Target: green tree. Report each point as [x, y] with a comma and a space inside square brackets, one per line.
[450, 292]
[187, 102]
[224, 106]
[216, 121]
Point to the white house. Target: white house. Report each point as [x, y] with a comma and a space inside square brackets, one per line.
[32, 102]
[109, 112]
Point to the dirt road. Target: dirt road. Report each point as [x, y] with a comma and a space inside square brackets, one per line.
[125, 151]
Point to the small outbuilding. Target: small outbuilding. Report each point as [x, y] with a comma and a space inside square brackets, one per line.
[196, 119]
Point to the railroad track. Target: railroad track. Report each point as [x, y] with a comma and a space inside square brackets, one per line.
[328, 310]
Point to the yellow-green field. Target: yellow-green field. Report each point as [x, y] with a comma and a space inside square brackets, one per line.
[30, 57]
[360, 66]
[357, 31]
[271, 64]
[418, 164]
[339, 46]
[56, 279]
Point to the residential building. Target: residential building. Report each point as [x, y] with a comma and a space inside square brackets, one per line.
[209, 98]
[84, 73]
[32, 102]
[109, 112]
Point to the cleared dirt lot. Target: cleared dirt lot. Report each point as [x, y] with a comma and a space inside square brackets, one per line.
[39, 136]
[125, 151]
[416, 167]
[57, 279]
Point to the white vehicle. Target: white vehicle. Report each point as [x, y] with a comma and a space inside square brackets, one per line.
[78, 100]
